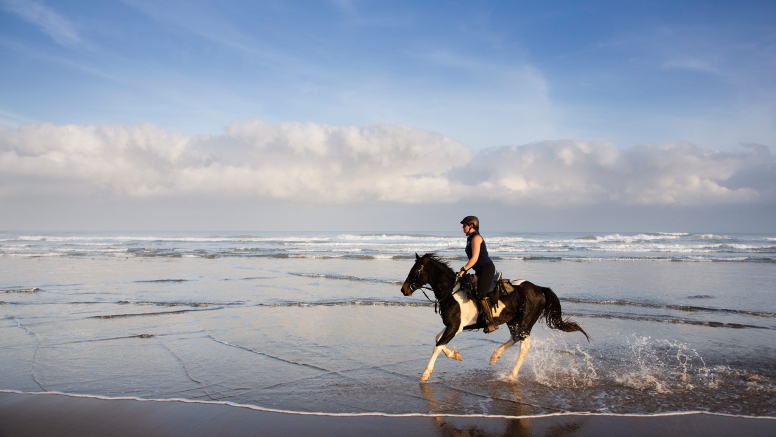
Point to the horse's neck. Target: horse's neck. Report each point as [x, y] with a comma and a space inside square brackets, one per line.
[443, 280]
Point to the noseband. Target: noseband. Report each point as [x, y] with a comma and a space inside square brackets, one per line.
[414, 287]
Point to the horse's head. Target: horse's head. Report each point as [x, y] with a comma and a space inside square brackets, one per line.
[418, 277]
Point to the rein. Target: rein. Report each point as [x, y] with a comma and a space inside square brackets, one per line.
[438, 302]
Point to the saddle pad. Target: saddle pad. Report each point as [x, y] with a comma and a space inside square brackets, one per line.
[508, 286]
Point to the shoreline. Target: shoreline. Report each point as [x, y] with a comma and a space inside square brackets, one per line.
[49, 414]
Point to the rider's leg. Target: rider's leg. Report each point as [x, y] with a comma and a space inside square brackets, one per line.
[485, 305]
[485, 275]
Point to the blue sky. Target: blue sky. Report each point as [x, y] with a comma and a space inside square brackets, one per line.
[483, 73]
[573, 77]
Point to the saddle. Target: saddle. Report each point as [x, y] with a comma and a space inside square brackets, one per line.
[499, 287]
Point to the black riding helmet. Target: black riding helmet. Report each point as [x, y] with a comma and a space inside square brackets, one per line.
[472, 221]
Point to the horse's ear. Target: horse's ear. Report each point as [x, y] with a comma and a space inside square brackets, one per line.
[417, 258]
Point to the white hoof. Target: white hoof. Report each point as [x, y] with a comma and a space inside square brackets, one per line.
[494, 359]
[426, 375]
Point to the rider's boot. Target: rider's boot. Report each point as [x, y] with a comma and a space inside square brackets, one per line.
[491, 326]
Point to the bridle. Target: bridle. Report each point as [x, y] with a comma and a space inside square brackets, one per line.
[423, 288]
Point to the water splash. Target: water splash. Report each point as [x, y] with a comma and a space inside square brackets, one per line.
[643, 364]
[662, 366]
[556, 364]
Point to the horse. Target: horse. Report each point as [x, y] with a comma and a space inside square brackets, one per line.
[520, 310]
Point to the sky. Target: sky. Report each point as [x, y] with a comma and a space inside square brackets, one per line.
[372, 116]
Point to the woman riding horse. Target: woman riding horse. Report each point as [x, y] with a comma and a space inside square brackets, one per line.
[482, 265]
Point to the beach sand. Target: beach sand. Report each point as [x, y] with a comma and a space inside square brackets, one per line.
[61, 415]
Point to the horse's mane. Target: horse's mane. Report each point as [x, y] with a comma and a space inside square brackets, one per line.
[434, 257]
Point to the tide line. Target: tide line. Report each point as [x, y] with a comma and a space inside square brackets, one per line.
[379, 414]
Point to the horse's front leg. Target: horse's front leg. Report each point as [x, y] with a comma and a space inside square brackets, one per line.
[452, 353]
[525, 346]
[442, 339]
[448, 353]
[430, 366]
[500, 350]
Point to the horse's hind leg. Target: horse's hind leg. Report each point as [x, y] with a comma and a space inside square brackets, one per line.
[525, 346]
[500, 350]
[446, 335]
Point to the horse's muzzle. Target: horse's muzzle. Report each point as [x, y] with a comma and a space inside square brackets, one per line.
[406, 289]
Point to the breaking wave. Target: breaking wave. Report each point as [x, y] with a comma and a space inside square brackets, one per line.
[688, 308]
[668, 319]
[346, 278]
[177, 303]
[160, 313]
[530, 247]
[350, 302]
[21, 290]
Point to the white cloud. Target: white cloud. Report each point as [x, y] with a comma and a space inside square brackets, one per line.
[301, 162]
[572, 172]
[320, 164]
[50, 22]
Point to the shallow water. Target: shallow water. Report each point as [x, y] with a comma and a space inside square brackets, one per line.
[316, 323]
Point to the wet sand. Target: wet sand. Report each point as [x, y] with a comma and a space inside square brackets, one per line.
[61, 415]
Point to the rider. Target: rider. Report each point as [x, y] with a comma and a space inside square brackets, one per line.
[481, 263]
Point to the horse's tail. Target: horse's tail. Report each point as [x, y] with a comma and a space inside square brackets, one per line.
[553, 317]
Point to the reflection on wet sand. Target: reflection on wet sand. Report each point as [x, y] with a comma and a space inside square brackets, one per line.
[520, 426]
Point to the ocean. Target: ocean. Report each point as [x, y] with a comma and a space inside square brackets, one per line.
[315, 323]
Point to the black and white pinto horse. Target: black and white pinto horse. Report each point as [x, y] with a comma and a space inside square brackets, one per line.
[520, 310]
